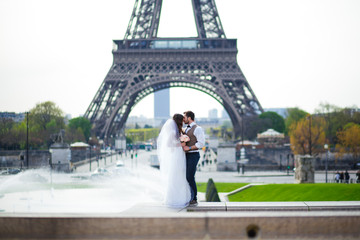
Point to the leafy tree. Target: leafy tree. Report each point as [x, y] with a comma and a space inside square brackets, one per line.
[74, 135]
[293, 116]
[128, 140]
[82, 126]
[43, 113]
[307, 136]
[276, 121]
[336, 119]
[44, 119]
[254, 125]
[11, 134]
[5, 132]
[328, 112]
[349, 141]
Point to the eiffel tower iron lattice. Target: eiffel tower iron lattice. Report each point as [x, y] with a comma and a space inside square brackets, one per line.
[144, 64]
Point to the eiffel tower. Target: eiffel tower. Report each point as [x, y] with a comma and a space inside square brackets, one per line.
[144, 64]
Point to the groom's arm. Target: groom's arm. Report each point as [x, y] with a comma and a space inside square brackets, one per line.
[199, 134]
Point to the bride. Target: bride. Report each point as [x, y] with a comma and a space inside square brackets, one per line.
[173, 163]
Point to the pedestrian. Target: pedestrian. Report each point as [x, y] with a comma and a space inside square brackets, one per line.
[358, 176]
[347, 176]
[337, 177]
[341, 177]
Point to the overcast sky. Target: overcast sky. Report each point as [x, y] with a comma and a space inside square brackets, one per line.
[294, 53]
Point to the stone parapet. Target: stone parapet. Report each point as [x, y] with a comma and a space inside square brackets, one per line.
[182, 225]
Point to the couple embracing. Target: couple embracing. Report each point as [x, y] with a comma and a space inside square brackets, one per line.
[178, 151]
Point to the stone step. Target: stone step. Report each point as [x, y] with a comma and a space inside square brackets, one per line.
[276, 206]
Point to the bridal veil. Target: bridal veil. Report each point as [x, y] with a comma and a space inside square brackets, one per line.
[173, 166]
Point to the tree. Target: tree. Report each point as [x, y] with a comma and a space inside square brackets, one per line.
[81, 125]
[336, 119]
[307, 136]
[147, 126]
[254, 125]
[11, 136]
[44, 113]
[276, 121]
[44, 119]
[293, 116]
[349, 141]
[74, 135]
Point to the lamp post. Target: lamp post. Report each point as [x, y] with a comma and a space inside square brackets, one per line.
[326, 162]
[287, 164]
[98, 149]
[111, 149]
[310, 143]
[27, 140]
[90, 154]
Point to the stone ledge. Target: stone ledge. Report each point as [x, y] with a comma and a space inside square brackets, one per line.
[276, 206]
[202, 225]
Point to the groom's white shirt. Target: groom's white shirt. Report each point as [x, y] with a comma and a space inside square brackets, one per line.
[199, 134]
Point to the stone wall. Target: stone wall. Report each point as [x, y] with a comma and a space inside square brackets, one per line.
[226, 157]
[81, 154]
[205, 225]
[12, 159]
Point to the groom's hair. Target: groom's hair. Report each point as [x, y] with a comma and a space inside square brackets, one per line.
[190, 114]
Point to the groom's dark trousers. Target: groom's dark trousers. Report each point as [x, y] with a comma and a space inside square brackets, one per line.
[192, 160]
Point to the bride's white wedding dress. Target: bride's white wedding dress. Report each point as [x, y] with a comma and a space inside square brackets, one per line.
[173, 166]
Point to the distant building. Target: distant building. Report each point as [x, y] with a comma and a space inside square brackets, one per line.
[213, 113]
[162, 104]
[16, 117]
[208, 123]
[271, 139]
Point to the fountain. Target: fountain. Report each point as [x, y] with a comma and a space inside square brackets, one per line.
[44, 191]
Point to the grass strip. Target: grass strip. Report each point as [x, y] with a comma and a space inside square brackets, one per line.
[298, 192]
[221, 187]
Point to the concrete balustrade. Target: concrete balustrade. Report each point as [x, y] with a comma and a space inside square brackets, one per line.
[184, 225]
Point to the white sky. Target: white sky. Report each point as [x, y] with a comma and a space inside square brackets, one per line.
[292, 52]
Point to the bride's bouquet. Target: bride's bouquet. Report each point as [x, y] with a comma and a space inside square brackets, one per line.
[184, 138]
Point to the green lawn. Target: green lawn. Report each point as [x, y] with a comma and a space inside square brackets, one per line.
[289, 192]
[221, 187]
[299, 192]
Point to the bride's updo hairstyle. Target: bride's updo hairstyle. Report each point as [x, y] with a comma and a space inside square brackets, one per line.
[178, 118]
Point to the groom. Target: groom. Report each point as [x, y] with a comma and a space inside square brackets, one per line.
[197, 141]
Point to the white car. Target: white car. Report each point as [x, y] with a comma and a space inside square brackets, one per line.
[120, 163]
[100, 173]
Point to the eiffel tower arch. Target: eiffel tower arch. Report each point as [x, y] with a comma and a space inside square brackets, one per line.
[144, 64]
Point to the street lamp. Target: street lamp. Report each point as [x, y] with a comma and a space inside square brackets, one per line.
[90, 153]
[27, 140]
[326, 163]
[310, 143]
[111, 148]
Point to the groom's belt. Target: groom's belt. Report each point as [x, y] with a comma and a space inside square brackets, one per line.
[195, 151]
